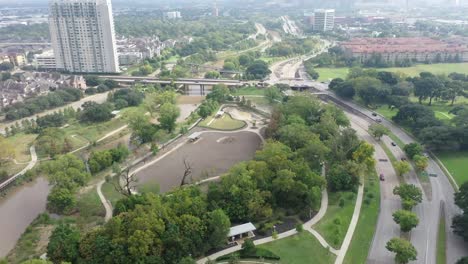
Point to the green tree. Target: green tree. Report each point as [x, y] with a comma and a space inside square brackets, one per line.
[218, 228]
[248, 248]
[413, 149]
[141, 126]
[61, 200]
[212, 75]
[406, 219]
[219, 93]
[404, 250]
[410, 195]
[63, 244]
[364, 154]
[168, 114]
[402, 167]
[421, 162]
[258, 70]
[153, 101]
[460, 222]
[272, 94]
[378, 130]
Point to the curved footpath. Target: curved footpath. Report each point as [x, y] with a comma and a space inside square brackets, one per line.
[104, 201]
[30, 165]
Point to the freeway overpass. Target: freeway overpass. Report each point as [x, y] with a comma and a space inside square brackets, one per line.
[181, 81]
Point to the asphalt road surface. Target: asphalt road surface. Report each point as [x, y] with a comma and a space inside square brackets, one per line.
[423, 237]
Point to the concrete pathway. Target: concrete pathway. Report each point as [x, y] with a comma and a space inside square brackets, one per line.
[30, 165]
[104, 201]
[351, 228]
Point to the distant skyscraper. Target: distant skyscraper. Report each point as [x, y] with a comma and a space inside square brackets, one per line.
[82, 34]
[215, 10]
[324, 19]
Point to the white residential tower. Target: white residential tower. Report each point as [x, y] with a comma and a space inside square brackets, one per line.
[324, 19]
[83, 36]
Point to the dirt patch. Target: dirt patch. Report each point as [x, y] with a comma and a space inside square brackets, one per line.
[207, 157]
[45, 232]
[228, 140]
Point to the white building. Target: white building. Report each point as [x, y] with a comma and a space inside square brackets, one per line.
[45, 61]
[172, 15]
[83, 37]
[324, 19]
[130, 57]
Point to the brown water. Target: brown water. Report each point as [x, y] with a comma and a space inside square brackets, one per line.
[18, 209]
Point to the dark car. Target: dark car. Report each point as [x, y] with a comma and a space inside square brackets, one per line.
[403, 159]
[393, 144]
[382, 178]
[374, 113]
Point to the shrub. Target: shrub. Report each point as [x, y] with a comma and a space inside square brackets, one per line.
[299, 227]
[342, 203]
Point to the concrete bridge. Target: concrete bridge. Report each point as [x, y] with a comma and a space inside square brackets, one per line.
[180, 81]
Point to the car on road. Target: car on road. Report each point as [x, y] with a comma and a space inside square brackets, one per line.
[378, 120]
[393, 144]
[403, 159]
[382, 177]
[374, 114]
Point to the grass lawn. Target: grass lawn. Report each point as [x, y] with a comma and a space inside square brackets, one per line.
[92, 132]
[386, 112]
[325, 74]
[440, 68]
[300, 249]
[365, 229]
[21, 142]
[226, 122]
[109, 191]
[249, 91]
[11, 168]
[335, 223]
[455, 162]
[441, 243]
[89, 204]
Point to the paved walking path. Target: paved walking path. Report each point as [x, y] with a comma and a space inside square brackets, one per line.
[351, 228]
[104, 201]
[30, 165]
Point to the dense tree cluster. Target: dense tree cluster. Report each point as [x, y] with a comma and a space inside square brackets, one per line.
[100, 160]
[289, 47]
[123, 98]
[66, 174]
[460, 222]
[52, 142]
[93, 112]
[374, 88]
[40, 103]
[147, 228]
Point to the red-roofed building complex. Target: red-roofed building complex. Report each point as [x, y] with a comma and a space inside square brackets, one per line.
[393, 50]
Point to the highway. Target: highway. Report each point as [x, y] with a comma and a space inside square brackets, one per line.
[424, 236]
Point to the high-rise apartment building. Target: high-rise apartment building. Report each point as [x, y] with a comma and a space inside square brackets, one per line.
[83, 35]
[324, 19]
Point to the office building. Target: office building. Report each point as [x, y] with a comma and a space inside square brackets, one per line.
[45, 61]
[324, 19]
[83, 36]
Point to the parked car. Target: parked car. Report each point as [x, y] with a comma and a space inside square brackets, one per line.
[393, 144]
[382, 177]
[403, 159]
